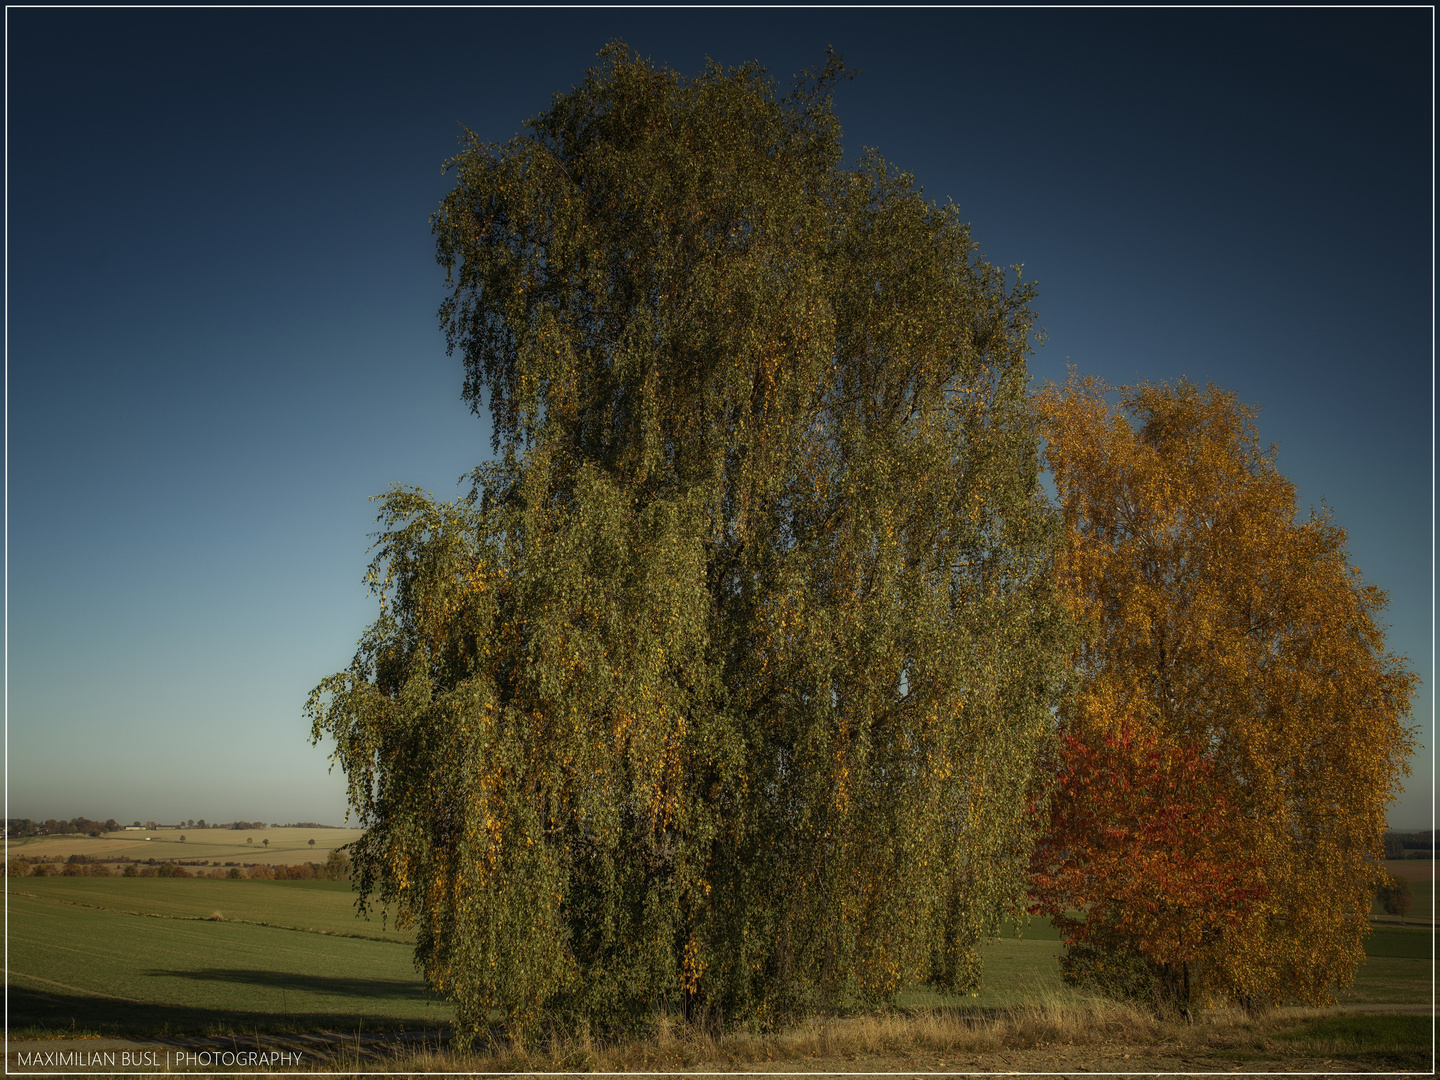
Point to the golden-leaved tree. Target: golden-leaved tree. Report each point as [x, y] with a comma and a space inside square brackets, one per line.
[727, 686]
[1234, 682]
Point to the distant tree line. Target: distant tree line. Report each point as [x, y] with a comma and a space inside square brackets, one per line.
[18, 828]
[336, 867]
[21, 827]
[1410, 845]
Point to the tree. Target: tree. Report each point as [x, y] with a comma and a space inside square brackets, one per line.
[1144, 843]
[337, 866]
[182, 838]
[312, 843]
[1395, 894]
[1227, 632]
[266, 841]
[726, 684]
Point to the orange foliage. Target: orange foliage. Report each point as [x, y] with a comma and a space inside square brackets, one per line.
[1222, 624]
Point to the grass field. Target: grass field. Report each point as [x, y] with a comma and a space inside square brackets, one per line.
[148, 955]
[286, 846]
[320, 907]
[1397, 970]
[118, 956]
[1414, 870]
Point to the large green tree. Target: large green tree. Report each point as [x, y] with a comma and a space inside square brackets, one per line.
[725, 685]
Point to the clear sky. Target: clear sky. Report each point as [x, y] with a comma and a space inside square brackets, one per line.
[222, 294]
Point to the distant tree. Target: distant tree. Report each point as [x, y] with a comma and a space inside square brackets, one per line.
[312, 843]
[201, 824]
[182, 838]
[728, 684]
[234, 873]
[1221, 624]
[137, 824]
[1396, 894]
[111, 825]
[266, 841]
[337, 866]
[249, 839]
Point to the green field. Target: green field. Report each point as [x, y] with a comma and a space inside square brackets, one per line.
[109, 955]
[321, 907]
[152, 955]
[1384, 1043]
[1397, 969]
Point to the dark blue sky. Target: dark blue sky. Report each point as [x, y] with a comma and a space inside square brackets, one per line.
[222, 295]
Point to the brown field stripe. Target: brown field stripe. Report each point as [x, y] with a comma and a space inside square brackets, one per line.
[76, 989]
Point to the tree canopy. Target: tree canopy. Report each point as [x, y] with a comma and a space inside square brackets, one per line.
[727, 684]
[1236, 727]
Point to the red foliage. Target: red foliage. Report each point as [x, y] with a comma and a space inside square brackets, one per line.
[1143, 858]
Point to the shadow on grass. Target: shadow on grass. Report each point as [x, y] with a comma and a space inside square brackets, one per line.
[1399, 1041]
[38, 1014]
[334, 985]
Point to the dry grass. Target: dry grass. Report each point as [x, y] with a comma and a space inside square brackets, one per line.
[286, 845]
[1065, 1032]
[938, 1034]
